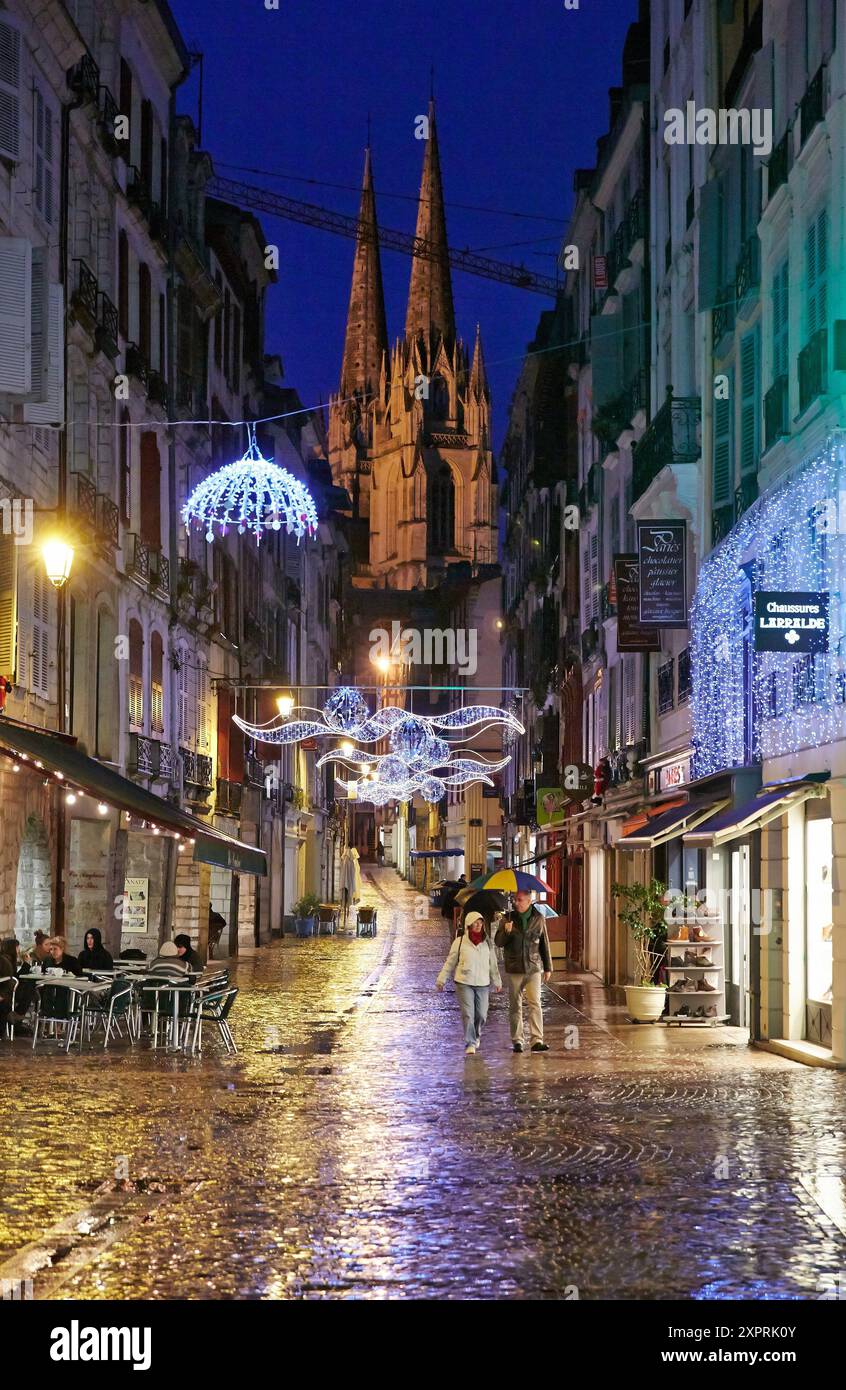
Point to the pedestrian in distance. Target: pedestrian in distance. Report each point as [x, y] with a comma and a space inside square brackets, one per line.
[472, 960]
[528, 962]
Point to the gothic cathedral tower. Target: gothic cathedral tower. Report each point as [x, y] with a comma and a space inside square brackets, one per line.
[409, 431]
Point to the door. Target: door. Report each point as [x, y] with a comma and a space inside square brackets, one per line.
[737, 936]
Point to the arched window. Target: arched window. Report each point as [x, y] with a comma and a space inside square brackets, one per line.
[440, 510]
[156, 684]
[136, 676]
[438, 398]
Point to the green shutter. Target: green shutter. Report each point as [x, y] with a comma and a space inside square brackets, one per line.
[710, 209]
[781, 315]
[749, 403]
[606, 345]
[816, 265]
[723, 460]
[8, 607]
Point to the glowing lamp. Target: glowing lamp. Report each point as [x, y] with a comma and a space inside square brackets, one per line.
[58, 559]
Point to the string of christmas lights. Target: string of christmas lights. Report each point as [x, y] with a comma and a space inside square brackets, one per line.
[793, 539]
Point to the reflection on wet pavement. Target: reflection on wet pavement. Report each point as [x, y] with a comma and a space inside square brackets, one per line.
[350, 1149]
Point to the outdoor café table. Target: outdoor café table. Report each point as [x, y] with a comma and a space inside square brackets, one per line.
[176, 988]
[76, 985]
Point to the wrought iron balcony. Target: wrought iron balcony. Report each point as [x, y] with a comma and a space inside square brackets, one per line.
[85, 499]
[159, 573]
[196, 769]
[107, 335]
[138, 562]
[168, 762]
[136, 363]
[138, 190]
[672, 438]
[778, 166]
[748, 273]
[84, 78]
[228, 797]
[107, 519]
[813, 369]
[84, 297]
[811, 107]
[109, 112]
[776, 423]
[745, 495]
[144, 756]
[253, 770]
[724, 313]
[722, 520]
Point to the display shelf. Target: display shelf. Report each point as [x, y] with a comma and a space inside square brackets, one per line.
[705, 997]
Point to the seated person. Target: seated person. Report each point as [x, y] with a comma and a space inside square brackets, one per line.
[168, 963]
[38, 951]
[55, 1002]
[11, 970]
[187, 954]
[94, 955]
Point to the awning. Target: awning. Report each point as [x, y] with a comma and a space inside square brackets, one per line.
[646, 815]
[668, 825]
[753, 815]
[435, 853]
[59, 753]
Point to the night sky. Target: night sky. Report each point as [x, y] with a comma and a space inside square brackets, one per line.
[521, 97]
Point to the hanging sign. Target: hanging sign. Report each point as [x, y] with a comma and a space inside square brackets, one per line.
[632, 635]
[136, 897]
[790, 622]
[552, 802]
[662, 553]
[600, 272]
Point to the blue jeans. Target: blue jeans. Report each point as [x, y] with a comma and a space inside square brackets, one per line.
[473, 1003]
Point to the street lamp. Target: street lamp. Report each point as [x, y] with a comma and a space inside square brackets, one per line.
[58, 559]
[285, 703]
[382, 663]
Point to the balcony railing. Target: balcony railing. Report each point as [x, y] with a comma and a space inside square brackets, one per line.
[196, 769]
[228, 797]
[724, 313]
[146, 755]
[722, 520]
[811, 106]
[157, 389]
[84, 298]
[109, 112]
[84, 78]
[107, 326]
[748, 273]
[138, 190]
[776, 423]
[745, 495]
[159, 573]
[779, 164]
[86, 499]
[107, 519]
[138, 564]
[672, 438]
[253, 770]
[813, 369]
[136, 363]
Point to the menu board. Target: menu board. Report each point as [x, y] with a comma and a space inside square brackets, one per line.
[136, 898]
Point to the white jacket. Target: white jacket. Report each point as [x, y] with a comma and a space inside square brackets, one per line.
[473, 965]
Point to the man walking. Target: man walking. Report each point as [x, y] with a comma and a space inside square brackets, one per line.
[527, 961]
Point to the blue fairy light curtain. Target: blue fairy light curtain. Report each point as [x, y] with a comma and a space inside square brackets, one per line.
[747, 705]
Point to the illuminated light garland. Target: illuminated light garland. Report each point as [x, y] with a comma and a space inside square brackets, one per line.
[410, 733]
[791, 539]
[253, 494]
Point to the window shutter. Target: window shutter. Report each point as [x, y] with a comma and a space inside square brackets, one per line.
[8, 607]
[816, 262]
[43, 157]
[594, 575]
[749, 403]
[38, 323]
[38, 665]
[710, 203]
[10, 91]
[15, 315]
[781, 316]
[606, 338]
[51, 411]
[723, 460]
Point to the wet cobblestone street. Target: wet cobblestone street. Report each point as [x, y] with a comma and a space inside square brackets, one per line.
[350, 1149]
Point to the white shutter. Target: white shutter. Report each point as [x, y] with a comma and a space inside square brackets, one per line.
[8, 606]
[52, 410]
[202, 710]
[15, 315]
[10, 90]
[38, 325]
[38, 656]
[43, 145]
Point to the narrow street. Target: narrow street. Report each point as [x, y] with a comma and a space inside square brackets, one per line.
[351, 1151]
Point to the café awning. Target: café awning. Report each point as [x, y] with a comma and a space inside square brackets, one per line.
[768, 805]
[60, 753]
[670, 824]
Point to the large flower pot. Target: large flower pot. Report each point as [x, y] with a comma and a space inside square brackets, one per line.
[305, 926]
[645, 1003]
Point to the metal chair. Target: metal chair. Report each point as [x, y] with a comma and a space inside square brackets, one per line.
[214, 1008]
[48, 999]
[365, 921]
[112, 1010]
[9, 1026]
[327, 920]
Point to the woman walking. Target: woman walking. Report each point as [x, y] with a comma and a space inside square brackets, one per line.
[472, 959]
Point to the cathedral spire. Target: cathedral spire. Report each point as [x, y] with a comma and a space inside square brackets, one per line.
[478, 371]
[367, 335]
[430, 309]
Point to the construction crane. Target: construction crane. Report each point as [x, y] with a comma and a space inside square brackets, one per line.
[277, 205]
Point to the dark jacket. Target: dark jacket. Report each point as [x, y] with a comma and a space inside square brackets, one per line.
[69, 964]
[524, 952]
[192, 960]
[98, 957]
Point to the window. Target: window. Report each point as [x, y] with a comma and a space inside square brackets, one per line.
[126, 90]
[124, 466]
[183, 703]
[803, 681]
[107, 723]
[440, 509]
[145, 311]
[629, 711]
[202, 708]
[594, 576]
[156, 684]
[750, 432]
[781, 314]
[723, 450]
[123, 285]
[43, 144]
[151, 502]
[10, 90]
[665, 686]
[38, 657]
[684, 676]
[136, 676]
[816, 263]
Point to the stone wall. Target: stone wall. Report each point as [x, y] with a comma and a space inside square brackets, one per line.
[146, 857]
[22, 794]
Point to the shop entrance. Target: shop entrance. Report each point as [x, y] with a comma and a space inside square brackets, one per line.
[34, 890]
[818, 928]
[738, 937]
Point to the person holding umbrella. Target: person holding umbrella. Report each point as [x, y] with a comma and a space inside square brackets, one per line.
[472, 959]
[527, 959]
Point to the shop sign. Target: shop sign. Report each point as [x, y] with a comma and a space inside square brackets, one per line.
[552, 802]
[662, 553]
[791, 622]
[632, 636]
[136, 898]
[672, 775]
[600, 272]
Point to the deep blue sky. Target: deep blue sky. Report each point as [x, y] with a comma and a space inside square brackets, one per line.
[521, 96]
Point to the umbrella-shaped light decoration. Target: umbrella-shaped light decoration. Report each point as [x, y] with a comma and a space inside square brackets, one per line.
[254, 494]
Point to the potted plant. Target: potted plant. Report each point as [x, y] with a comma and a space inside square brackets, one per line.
[641, 909]
[305, 913]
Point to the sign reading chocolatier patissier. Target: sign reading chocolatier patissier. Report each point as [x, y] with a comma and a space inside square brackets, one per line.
[790, 622]
[662, 552]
